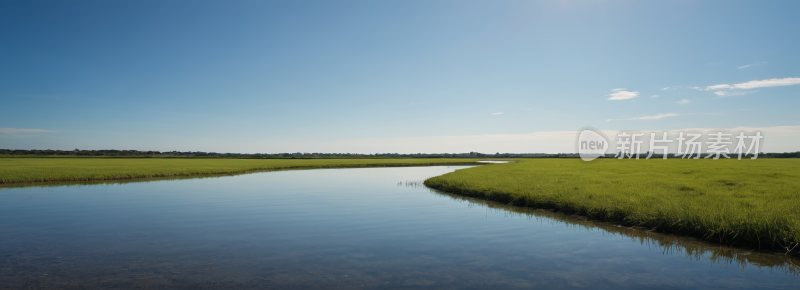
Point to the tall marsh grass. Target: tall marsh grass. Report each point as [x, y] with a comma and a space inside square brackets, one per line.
[747, 202]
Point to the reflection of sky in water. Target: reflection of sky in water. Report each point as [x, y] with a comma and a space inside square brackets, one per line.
[338, 228]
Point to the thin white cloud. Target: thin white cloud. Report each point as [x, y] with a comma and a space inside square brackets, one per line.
[752, 64]
[681, 102]
[654, 96]
[620, 89]
[656, 117]
[716, 87]
[667, 88]
[724, 94]
[754, 84]
[623, 95]
[13, 131]
[498, 113]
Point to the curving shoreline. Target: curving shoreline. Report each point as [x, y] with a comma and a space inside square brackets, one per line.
[741, 204]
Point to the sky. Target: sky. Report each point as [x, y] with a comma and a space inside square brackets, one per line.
[390, 76]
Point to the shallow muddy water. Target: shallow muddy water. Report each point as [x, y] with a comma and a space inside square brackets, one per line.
[370, 228]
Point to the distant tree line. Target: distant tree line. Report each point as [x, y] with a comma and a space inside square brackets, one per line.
[782, 155]
[136, 153]
[300, 155]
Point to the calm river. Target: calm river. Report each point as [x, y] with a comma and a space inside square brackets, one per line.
[340, 228]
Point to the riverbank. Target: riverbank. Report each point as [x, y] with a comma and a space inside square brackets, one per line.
[748, 202]
[36, 170]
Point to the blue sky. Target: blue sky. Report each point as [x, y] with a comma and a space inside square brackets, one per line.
[387, 76]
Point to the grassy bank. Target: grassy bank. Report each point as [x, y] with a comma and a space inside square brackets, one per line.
[31, 170]
[748, 202]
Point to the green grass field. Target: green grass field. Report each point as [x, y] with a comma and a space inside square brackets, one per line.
[32, 170]
[747, 202]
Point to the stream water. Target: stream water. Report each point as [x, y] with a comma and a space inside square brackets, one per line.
[366, 228]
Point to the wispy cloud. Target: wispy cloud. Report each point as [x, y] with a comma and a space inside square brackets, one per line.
[681, 102]
[622, 95]
[13, 131]
[724, 94]
[617, 90]
[498, 113]
[752, 64]
[656, 117]
[654, 96]
[754, 84]
[715, 87]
